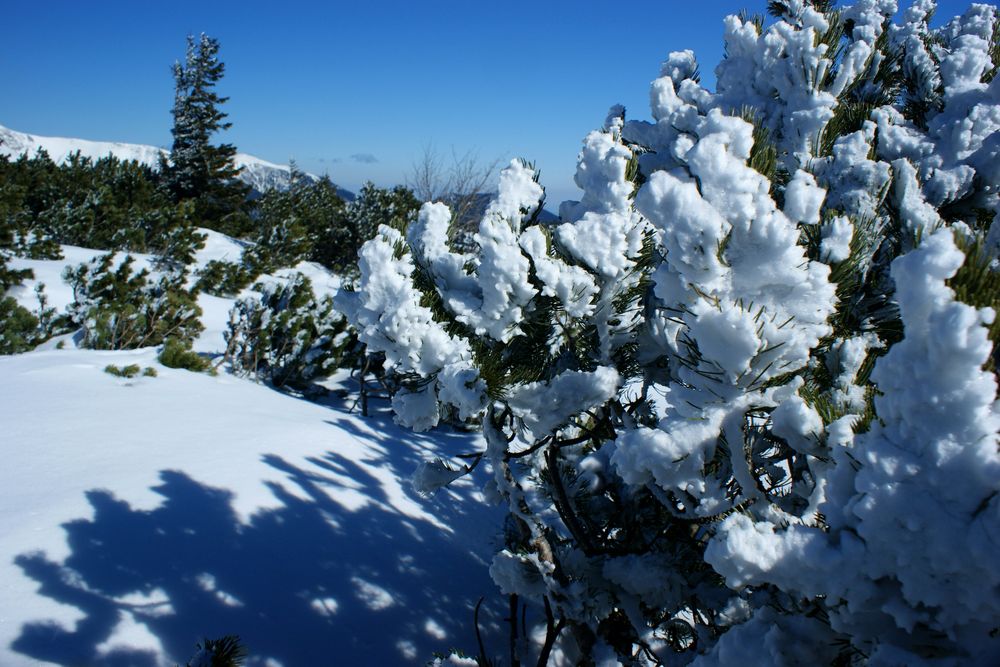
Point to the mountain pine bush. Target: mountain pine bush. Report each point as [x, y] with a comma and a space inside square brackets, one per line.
[18, 327]
[372, 208]
[118, 308]
[104, 204]
[225, 279]
[178, 354]
[739, 402]
[285, 336]
[306, 221]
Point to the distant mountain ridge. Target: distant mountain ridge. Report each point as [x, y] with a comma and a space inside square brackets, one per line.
[260, 174]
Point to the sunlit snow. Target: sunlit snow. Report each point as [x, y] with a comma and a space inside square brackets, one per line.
[143, 515]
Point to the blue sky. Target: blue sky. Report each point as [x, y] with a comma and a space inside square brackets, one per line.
[358, 89]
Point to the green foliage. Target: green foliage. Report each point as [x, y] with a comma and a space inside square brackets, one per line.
[991, 72]
[285, 335]
[18, 327]
[227, 651]
[374, 207]
[27, 186]
[49, 322]
[763, 153]
[305, 222]
[198, 170]
[118, 308]
[977, 283]
[923, 92]
[282, 243]
[178, 354]
[106, 204]
[10, 277]
[130, 371]
[224, 279]
[879, 85]
[310, 222]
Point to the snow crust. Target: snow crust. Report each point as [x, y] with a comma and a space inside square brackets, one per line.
[285, 502]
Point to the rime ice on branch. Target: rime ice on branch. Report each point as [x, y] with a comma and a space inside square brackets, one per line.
[740, 401]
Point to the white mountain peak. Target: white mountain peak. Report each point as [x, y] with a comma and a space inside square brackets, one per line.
[260, 174]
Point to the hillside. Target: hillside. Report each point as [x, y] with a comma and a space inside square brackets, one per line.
[144, 514]
[260, 174]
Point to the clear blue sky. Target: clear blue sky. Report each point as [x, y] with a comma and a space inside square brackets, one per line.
[358, 89]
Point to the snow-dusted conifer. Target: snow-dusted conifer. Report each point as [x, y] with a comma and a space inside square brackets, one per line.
[197, 169]
[739, 401]
[118, 308]
[284, 335]
[372, 208]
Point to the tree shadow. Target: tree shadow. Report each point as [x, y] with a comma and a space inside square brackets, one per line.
[313, 581]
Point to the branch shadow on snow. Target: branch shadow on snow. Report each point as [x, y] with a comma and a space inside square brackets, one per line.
[312, 581]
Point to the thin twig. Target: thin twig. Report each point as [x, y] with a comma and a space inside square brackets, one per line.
[552, 630]
[515, 661]
[479, 638]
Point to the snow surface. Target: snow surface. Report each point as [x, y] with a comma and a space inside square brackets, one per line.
[142, 515]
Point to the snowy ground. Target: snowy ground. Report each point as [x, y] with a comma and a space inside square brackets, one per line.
[138, 516]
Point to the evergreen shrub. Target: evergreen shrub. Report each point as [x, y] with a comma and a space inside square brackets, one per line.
[118, 308]
[739, 401]
[178, 354]
[285, 336]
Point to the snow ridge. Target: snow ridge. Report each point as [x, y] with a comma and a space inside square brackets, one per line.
[260, 174]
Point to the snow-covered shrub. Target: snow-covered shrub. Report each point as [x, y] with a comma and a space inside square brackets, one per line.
[278, 244]
[372, 208]
[118, 308]
[22, 329]
[284, 335]
[17, 324]
[738, 401]
[308, 221]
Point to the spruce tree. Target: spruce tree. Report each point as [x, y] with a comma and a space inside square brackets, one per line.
[197, 169]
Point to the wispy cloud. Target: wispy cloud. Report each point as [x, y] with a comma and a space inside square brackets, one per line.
[364, 158]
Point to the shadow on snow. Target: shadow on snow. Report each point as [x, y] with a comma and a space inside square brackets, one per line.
[306, 583]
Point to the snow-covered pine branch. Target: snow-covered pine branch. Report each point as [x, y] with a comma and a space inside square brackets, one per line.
[739, 402]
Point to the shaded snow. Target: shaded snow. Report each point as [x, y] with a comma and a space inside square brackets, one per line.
[139, 516]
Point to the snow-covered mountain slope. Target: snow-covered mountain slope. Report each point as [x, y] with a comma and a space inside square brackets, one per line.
[260, 174]
[138, 516]
[142, 515]
[13, 144]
